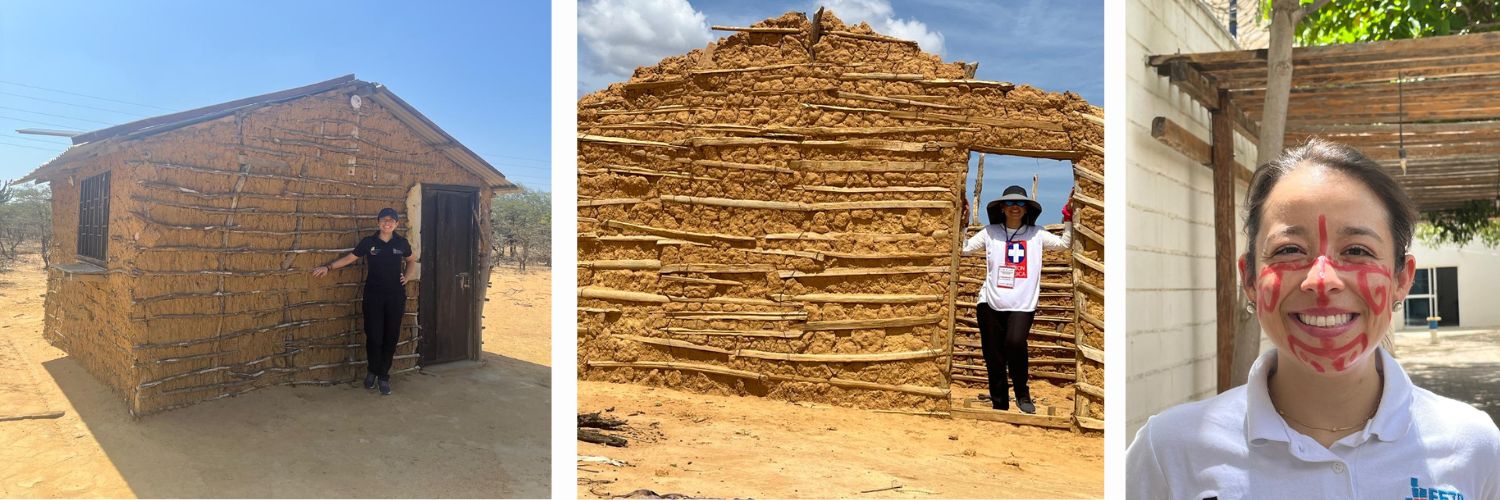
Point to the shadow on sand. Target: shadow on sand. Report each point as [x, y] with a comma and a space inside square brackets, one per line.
[478, 429]
[1475, 383]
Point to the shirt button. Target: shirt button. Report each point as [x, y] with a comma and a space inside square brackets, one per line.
[1338, 468]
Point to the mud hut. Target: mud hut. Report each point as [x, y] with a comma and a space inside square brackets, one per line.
[182, 244]
[779, 214]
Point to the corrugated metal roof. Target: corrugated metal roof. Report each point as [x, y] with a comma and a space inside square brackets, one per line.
[90, 142]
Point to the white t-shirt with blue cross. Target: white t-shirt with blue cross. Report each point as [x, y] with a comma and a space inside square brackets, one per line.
[1013, 263]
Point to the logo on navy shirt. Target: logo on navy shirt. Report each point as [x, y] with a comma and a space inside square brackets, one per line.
[396, 251]
[1420, 493]
[374, 251]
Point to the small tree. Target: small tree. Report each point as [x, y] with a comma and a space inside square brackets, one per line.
[523, 220]
[25, 215]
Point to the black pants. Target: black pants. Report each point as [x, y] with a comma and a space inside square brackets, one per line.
[383, 314]
[1002, 336]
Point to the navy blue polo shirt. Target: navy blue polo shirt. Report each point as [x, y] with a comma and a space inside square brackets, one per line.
[384, 263]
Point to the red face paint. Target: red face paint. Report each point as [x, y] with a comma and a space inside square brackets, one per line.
[1323, 352]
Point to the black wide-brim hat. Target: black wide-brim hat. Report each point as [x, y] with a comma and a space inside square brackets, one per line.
[1013, 193]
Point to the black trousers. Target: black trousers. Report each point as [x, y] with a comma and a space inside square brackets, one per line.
[1002, 337]
[383, 313]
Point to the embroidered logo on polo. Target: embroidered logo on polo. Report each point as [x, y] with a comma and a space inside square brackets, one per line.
[1015, 256]
[1420, 493]
[374, 251]
[396, 251]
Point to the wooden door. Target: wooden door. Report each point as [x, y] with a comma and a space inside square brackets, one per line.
[447, 305]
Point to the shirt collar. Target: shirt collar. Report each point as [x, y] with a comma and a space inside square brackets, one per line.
[1391, 422]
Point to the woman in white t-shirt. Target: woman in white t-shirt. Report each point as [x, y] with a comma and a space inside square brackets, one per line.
[1013, 246]
[1328, 413]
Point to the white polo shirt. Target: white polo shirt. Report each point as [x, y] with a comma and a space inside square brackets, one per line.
[1013, 263]
[1419, 446]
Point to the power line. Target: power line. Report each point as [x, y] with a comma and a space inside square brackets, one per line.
[39, 122]
[85, 95]
[43, 141]
[27, 147]
[23, 96]
[55, 116]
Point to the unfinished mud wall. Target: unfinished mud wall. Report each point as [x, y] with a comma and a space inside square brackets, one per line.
[214, 229]
[778, 214]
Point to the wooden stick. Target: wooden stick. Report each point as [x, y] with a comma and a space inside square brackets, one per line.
[907, 255]
[889, 189]
[865, 298]
[594, 292]
[752, 315]
[215, 171]
[858, 384]
[893, 77]
[671, 343]
[673, 233]
[1003, 86]
[855, 324]
[725, 71]
[839, 358]
[873, 38]
[977, 120]
[729, 300]
[875, 237]
[891, 100]
[717, 268]
[782, 334]
[744, 166]
[675, 365]
[608, 201]
[699, 281]
[1054, 422]
[874, 166]
[862, 271]
[647, 265]
[604, 139]
[785, 31]
[1091, 390]
[1087, 262]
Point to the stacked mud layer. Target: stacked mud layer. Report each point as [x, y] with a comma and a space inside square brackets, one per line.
[215, 219]
[779, 214]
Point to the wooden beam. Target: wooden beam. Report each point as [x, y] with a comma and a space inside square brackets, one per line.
[1224, 244]
[1189, 145]
[1197, 86]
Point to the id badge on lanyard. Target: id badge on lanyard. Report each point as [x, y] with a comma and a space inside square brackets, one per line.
[1012, 264]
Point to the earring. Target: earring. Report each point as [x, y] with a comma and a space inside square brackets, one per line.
[1250, 307]
[1396, 306]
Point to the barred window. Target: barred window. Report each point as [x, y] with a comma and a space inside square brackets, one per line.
[93, 218]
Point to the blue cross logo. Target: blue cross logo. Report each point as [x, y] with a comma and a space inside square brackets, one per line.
[1016, 253]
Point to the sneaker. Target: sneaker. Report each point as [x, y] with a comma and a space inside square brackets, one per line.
[369, 380]
[1026, 405]
[385, 387]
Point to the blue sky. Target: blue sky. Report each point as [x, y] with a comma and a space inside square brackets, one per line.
[480, 70]
[1053, 45]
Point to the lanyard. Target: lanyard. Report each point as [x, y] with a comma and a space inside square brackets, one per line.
[1009, 235]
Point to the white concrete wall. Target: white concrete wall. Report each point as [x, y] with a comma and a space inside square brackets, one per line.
[1169, 220]
[1478, 279]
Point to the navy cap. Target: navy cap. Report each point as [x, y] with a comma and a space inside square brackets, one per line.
[388, 212]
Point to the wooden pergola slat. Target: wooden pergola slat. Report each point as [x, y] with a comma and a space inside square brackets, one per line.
[1437, 98]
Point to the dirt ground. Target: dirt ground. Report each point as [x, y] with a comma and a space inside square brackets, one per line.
[746, 447]
[478, 429]
[1463, 365]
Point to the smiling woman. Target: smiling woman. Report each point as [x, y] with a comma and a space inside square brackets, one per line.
[1329, 411]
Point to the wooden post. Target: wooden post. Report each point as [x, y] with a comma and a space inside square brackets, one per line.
[978, 186]
[1224, 255]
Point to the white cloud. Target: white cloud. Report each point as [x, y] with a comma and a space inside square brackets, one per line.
[880, 16]
[620, 35]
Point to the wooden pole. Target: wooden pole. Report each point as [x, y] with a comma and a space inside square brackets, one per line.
[1224, 255]
[978, 186]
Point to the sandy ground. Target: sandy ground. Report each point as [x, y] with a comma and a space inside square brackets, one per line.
[745, 447]
[1463, 365]
[457, 430]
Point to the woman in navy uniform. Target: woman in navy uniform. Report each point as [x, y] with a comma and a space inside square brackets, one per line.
[385, 294]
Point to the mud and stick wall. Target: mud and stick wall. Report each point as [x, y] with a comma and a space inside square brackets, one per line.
[214, 230]
[778, 214]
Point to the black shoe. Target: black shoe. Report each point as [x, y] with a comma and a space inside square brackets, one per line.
[1026, 405]
[385, 387]
[369, 380]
